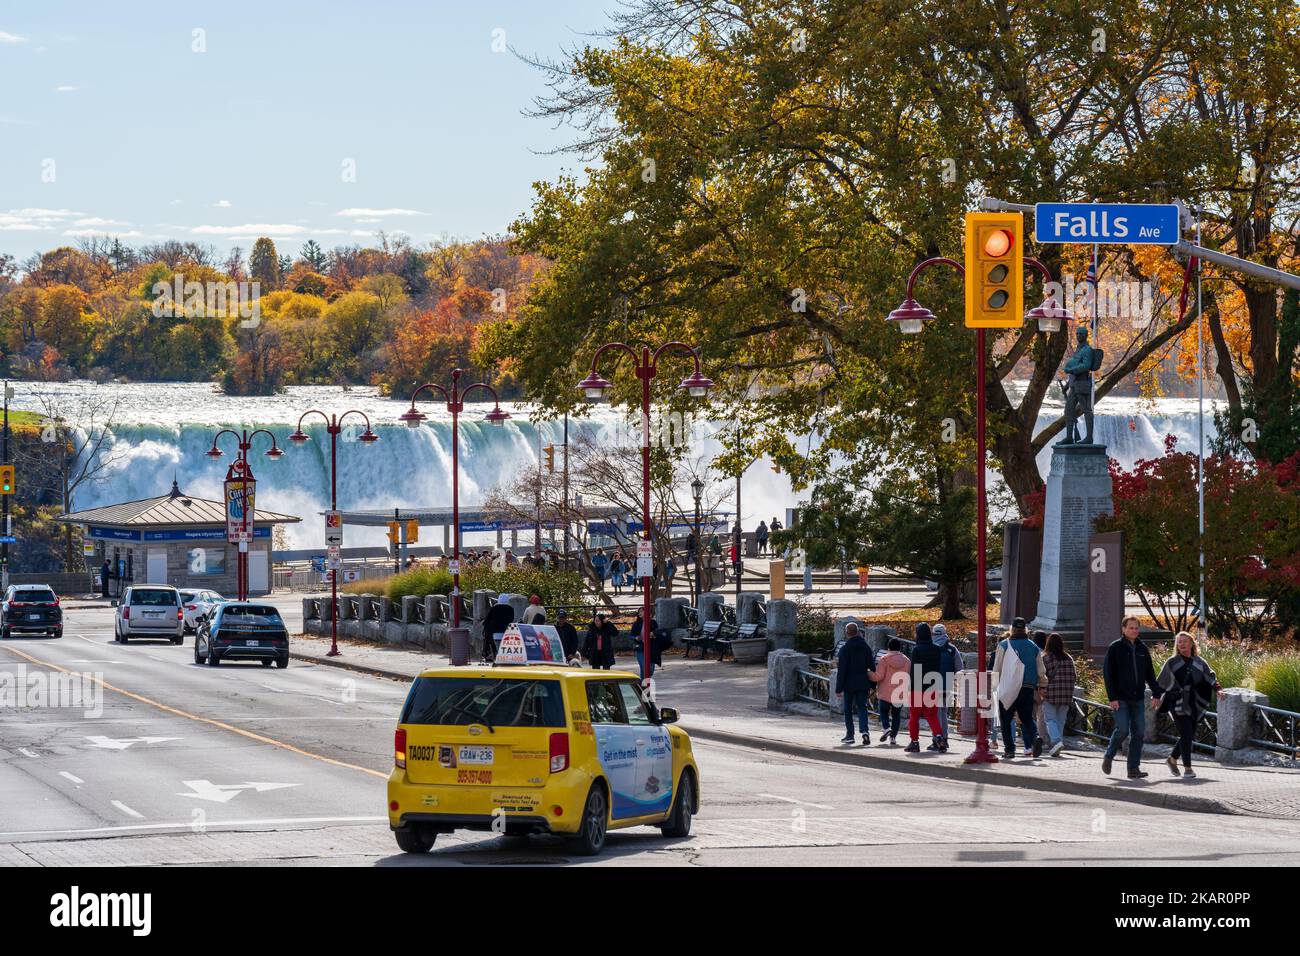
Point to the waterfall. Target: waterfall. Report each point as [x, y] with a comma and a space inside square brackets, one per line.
[164, 428]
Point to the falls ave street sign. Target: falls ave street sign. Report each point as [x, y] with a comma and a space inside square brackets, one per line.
[1106, 223]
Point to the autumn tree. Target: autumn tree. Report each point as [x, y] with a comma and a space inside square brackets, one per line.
[264, 265]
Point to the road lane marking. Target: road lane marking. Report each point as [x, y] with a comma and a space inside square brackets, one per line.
[225, 792]
[189, 825]
[802, 803]
[127, 810]
[260, 738]
[68, 776]
[121, 743]
[27, 753]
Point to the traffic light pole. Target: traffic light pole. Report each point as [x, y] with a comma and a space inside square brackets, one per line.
[4, 548]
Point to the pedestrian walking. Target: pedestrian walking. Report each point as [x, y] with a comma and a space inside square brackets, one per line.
[927, 684]
[1019, 656]
[103, 578]
[952, 664]
[1126, 671]
[853, 682]
[760, 535]
[600, 564]
[864, 572]
[656, 637]
[599, 646]
[568, 634]
[1189, 684]
[1061, 678]
[892, 684]
[670, 572]
[534, 613]
[1040, 717]
[499, 617]
[616, 572]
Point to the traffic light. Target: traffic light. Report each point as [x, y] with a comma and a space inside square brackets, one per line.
[995, 270]
[392, 533]
[6, 479]
[550, 457]
[412, 531]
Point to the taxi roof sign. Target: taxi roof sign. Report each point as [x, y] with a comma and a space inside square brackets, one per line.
[530, 644]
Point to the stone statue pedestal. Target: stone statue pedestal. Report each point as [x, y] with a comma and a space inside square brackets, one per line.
[1078, 490]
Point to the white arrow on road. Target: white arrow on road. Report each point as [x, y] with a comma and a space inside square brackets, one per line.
[121, 743]
[225, 792]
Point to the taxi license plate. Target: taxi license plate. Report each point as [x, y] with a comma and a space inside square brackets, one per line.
[475, 755]
[252, 643]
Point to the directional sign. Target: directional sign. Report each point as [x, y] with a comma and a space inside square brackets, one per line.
[121, 743]
[225, 792]
[333, 529]
[1127, 224]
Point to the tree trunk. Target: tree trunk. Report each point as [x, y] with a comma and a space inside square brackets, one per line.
[950, 598]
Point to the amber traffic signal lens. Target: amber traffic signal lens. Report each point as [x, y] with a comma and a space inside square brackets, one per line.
[998, 273]
[997, 243]
[998, 299]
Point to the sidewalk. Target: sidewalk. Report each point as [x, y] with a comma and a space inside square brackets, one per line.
[726, 703]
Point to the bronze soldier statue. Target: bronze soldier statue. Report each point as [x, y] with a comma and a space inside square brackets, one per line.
[1078, 388]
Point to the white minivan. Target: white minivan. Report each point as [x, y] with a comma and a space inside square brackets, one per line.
[150, 610]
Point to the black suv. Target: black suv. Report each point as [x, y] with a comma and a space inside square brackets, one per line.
[28, 608]
[238, 630]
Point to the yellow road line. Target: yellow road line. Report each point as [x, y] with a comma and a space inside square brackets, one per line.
[203, 720]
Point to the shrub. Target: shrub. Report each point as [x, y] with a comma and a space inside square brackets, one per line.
[555, 588]
[1278, 675]
[418, 582]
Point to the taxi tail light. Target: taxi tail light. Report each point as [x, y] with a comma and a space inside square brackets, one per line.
[399, 748]
[559, 752]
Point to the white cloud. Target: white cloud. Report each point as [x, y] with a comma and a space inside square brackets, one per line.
[96, 221]
[355, 213]
[368, 220]
[129, 234]
[35, 220]
[66, 89]
[256, 228]
[222, 204]
[46, 213]
[174, 202]
[11, 38]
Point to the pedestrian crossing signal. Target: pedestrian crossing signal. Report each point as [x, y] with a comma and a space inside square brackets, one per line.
[6, 479]
[995, 270]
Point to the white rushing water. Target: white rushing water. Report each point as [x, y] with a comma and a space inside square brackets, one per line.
[161, 429]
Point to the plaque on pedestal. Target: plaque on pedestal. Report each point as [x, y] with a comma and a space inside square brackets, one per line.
[1078, 491]
[1105, 592]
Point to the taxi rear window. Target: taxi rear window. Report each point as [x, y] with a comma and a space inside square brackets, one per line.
[496, 701]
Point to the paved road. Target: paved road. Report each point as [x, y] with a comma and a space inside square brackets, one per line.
[191, 764]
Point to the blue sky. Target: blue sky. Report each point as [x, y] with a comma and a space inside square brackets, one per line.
[145, 138]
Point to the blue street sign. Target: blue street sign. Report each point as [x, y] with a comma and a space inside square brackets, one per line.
[8, 539]
[1129, 224]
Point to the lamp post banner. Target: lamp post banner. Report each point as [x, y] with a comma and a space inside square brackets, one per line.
[240, 495]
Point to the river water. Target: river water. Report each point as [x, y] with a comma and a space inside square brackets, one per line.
[161, 429]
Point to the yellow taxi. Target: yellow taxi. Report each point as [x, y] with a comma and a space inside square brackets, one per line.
[537, 749]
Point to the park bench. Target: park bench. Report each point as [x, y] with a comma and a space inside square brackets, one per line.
[743, 632]
[708, 639]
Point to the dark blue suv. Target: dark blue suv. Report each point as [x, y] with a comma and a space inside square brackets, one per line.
[241, 630]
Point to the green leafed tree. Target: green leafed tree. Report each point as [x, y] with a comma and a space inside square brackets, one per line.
[264, 265]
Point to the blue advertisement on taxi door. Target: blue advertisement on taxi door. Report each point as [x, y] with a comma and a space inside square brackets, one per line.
[638, 763]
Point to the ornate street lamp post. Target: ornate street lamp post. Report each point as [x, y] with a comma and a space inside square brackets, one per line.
[240, 470]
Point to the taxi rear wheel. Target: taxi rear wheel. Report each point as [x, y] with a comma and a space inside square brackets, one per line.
[415, 840]
[679, 823]
[595, 821]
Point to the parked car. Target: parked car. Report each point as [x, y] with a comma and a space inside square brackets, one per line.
[150, 610]
[198, 605]
[242, 630]
[28, 608]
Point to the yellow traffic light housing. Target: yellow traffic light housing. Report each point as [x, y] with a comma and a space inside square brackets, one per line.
[6, 479]
[392, 532]
[550, 457]
[995, 270]
[412, 531]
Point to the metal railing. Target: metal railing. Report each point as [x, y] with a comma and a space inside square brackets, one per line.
[1275, 729]
[1203, 737]
[813, 687]
[1088, 718]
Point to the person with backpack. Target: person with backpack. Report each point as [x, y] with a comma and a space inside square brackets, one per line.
[952, 663]
[927, 688]
[1018, 651]
[1189, 684]
[853, 681]
[892, 684]
[1127, 670]
[1061, 678]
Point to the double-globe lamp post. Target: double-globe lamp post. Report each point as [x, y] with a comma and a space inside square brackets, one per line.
[457, 637]
[240, 469]
[911, 317]
[595, 387]
[334, 426]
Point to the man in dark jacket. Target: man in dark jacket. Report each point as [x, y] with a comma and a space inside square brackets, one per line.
[568, 634]
[928, 668]
[499, 617]
[1126, 671]
[599, 645]
[853, 681]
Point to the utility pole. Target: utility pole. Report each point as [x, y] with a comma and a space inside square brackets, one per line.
[566, 488]
[4, 548]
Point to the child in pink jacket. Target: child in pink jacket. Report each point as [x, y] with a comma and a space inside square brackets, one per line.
[893, 680]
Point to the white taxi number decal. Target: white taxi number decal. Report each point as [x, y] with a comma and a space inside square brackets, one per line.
[470, 754]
